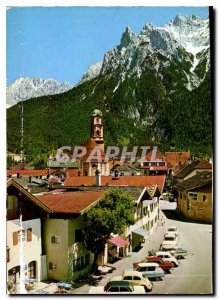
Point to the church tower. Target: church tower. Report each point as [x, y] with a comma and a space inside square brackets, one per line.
[97, 128]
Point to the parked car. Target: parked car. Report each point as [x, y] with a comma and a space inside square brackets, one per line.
[170, 239]
[179, 253]
[166, 256]
[172, 229]
[64, 285]
[117, 287]
[135, 278]
[165, 265]
[150, 270]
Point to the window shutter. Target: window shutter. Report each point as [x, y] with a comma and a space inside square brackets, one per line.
[29, 234]
[15, 238]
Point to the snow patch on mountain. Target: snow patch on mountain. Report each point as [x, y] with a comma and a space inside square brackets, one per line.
[26, 88]
[185, 34]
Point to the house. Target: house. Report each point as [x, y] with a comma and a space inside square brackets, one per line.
[24, 236]
[154, 166]
[67, 256]
[194, 197]
[186, 171]
[125, 169]
[146, 216]
[191, 169]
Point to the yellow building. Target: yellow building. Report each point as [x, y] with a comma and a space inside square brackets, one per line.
[67, 256]
[194, 197]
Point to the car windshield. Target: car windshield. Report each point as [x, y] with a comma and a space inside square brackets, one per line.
[172, 229]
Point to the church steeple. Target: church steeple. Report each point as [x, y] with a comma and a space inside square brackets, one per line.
[97, 127]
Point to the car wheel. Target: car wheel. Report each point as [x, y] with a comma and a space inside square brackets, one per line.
[147, 289]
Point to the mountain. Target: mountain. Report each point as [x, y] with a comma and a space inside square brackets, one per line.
[27, 88]
[153, 88]
[184, 38]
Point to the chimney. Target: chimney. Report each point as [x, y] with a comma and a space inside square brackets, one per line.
[30, 179]
[18, 175]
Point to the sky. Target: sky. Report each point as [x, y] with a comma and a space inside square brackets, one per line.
[62, 42]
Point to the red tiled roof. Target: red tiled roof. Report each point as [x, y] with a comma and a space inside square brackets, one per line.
[27, 172]
[74, 172]
[158, 156]
[137, 180]
[173, 158]
[204, 165]
[70, 202]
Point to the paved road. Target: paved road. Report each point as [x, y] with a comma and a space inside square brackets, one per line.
[194, 273]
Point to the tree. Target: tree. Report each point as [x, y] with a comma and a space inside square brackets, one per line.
[110, 215]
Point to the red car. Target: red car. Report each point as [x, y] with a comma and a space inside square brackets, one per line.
[165, 265]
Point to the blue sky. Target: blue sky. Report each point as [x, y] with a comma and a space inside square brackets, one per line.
[62, 42]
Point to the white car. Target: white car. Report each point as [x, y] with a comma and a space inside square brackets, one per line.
[166, 256]
[172, 229]
[170, 239]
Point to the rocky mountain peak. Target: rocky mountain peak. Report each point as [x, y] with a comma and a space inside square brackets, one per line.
[128, 37]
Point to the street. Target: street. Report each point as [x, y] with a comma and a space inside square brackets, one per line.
[194, 274]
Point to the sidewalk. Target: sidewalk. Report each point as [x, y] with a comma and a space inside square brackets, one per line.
[152, 242]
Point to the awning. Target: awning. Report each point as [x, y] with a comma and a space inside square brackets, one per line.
[141, 231]
[147, 202]
[118, 241]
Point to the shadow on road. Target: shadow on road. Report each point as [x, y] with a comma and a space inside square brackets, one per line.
[173, 215]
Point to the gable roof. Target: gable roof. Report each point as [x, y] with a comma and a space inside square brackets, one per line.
[70, 202]
[204, 164]
[187, 169]
[138, 180]
[34, 199]
[196, 181]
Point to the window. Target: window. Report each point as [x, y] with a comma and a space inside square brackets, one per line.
[15, 238]
[78, 235]
[55, 240]
[128, 278]
[12, 202]
[113, 289]
[29, 234]
[193, 196]
[136, 278]
[204, 198]
[124, 289]
[52, 266]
